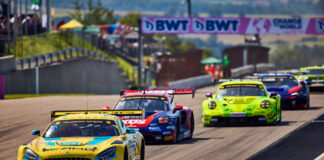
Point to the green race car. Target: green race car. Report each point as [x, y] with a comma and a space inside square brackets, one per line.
[314, 76]
[241, 102]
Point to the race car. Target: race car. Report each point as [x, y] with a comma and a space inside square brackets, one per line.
[165, 121]
[241, 102]
[314, 76]
[85, 135]
[293, 94]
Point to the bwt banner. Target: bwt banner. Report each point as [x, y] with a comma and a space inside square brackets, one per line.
[163, 25]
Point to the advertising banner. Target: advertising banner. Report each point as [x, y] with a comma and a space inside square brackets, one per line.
[197, 25]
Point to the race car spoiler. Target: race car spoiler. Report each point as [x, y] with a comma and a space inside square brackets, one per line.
[265, 79]
[140, 114]
[160, 91]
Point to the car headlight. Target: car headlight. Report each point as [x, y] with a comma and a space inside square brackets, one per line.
[294, 94]
[265, 104]
[163, 120]
[212, 105]
[303, 78]
[107, 154]
[31, 155]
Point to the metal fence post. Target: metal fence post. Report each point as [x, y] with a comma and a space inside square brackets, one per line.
[37, 80]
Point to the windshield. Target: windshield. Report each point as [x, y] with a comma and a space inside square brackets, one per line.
[241, 90]
[282, 82]
[150, 104]
[315, 71]
[82, 128]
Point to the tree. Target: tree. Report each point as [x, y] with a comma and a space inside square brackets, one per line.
[186, 46]
[215, 13]
[77, 13]
[206, 52]
[131, 18]
[173, 42]
[295, 58]
[96, 15]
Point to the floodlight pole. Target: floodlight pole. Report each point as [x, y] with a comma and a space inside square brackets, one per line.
[140, 52]
[189, 8]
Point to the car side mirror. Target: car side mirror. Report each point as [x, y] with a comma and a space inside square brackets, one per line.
[105, 108]
[303, 83]
[209, 94]
[35, 132]
[130, 130]
[178, 107]
[272, 94]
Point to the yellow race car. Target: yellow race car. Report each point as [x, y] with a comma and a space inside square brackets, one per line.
[85, 135]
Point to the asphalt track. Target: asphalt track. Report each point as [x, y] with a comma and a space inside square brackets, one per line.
[19, 117]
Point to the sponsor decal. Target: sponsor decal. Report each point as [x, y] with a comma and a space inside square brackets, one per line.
[70, 148]
[157, 129]
[238, 114]
[241, 85]
[226, 25]
[170, 127]
[161, 25]
[319, 26]
[166, 133]
[134, 121]
[288, 23]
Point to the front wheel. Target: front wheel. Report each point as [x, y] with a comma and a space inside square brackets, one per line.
[192, 126]
[307, 103]
[142, 150]
[125, 154]
[177, 133]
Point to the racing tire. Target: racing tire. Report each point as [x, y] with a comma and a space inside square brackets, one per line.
[280, 116]
[177, 133]
[125, 154]
[307, 103]
[192, 125]
[142, 150]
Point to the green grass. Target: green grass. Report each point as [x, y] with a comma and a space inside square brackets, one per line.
[19, 96]
[28, 46]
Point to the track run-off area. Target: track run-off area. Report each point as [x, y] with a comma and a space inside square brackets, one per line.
[20, 116]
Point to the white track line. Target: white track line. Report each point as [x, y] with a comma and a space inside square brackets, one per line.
[320, 157]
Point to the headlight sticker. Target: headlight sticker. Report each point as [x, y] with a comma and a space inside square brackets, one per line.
[212, 105]
[265, 104]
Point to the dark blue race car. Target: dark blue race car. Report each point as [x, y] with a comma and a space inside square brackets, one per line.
[294, 94]
[164, 120]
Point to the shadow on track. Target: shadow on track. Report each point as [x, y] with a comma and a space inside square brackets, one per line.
[302, 109]
[186, 141]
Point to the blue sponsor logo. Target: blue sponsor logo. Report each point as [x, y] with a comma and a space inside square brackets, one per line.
[166, 25]
[216, 25]
[70, 143]
[288, 23]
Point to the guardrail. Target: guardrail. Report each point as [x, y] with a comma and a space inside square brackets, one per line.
[58, 56]
[195, 82]
[248, 69]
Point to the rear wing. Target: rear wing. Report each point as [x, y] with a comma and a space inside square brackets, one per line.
[160, 91]
[140, 114]
[265, 79]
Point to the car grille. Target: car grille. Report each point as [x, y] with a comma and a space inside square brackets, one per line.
[68, 158]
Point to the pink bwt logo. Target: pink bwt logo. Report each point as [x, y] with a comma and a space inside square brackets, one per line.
[261, 25]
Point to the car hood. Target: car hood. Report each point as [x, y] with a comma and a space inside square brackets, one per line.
[240, 104]
[51, 147]
[279, 90]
